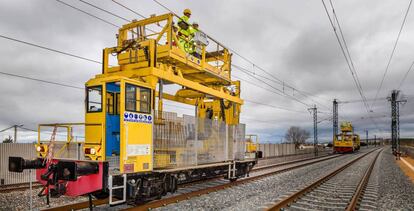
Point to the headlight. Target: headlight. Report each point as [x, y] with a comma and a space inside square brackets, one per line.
[93, 151]
[39, 149]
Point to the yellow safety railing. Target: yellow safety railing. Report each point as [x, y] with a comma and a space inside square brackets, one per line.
[42, 145]
[142, 43]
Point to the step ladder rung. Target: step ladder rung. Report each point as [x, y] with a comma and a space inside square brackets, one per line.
[117, 187]
[111, 188]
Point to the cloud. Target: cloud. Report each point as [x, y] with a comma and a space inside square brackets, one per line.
[291, 40]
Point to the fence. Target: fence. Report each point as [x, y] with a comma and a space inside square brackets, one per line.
[28, 151]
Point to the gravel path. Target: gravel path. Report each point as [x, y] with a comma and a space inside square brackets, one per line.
[396, 191]
[254, 195]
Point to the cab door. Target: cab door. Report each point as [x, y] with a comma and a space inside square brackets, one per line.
[136, 127]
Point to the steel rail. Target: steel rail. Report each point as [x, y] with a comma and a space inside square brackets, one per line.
[21, 186]
[293, 197]
[78, 206]
[362, 185]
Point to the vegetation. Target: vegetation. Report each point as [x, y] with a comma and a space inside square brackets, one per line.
[8, 140]
[296, 135]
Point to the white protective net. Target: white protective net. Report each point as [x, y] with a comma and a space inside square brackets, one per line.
[189, 141]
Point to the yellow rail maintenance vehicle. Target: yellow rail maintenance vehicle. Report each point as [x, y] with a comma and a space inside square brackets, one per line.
[347, 140]
[252, 147]
[136, 151]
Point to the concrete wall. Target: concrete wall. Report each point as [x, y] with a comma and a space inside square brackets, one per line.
[28, 151]
[273, 150]
[18, 150]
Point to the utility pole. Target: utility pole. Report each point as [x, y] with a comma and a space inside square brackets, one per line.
[15, 134]
[366, 135]
[335, 119]
[315, 129]
[375, 140]
[395, 120]
[15, 131]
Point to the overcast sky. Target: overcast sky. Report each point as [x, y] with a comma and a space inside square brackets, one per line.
[292, 40]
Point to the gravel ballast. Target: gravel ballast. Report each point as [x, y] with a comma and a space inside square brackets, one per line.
[337, 192]
[19, 200]
[396, 191]
[388, 186]
[255, 195]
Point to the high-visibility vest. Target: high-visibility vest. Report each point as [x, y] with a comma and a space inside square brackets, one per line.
[185, 19]
[185, 32]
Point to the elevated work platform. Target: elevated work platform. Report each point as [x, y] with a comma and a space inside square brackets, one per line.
[138, 50]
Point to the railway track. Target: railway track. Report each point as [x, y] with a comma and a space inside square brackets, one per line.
[258, 173]
[194, 189]
[18, 187]
[341, 189]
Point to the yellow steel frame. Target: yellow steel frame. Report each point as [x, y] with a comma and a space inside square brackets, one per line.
[143, 59]
[252, 146]
[186, 66]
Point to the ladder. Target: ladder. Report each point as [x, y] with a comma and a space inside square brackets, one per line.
[232, 171]
[112, 188]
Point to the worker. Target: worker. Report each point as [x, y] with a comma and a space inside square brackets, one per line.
[186, 16]
[195, 50]
[193, 29]
[184, 32]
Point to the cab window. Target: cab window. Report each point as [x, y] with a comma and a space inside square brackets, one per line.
[138, 99]
[94, 99]
[112, 103]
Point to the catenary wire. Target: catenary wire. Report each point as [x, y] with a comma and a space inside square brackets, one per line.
[244, 58]
[127, 8]
[87, 13]
[348, 58]
[347, 50]
[128, 20]
[392, 52]
[53, 50]
[113, 14]
[344, 53]
[49, 49]
[405, 76]
[41, 80]
[104, 10]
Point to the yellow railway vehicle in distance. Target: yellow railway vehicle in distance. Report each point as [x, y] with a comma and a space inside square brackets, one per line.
[252, 147]
[347, 140]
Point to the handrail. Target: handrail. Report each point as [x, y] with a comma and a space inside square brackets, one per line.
[69, 136]
[219, 56]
